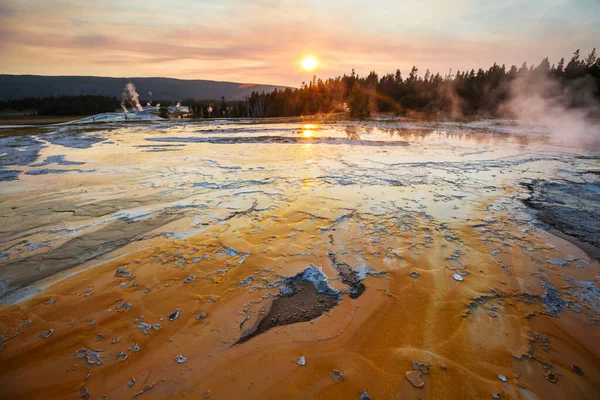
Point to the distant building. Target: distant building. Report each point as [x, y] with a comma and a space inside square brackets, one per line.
[179, 110]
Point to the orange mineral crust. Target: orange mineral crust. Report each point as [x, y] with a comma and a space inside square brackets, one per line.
[385, 260]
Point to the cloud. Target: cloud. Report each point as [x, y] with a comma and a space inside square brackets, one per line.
[263, 41]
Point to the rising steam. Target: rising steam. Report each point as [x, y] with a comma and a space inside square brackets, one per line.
[130, 96]
[568, 112]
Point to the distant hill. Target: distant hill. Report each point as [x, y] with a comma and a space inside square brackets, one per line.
[21, 86]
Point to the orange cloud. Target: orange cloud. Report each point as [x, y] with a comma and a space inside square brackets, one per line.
[258, 41]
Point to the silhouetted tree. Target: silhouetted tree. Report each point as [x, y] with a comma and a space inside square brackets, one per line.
[223, 107]
[358, 103]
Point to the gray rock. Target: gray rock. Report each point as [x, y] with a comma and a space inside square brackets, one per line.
[337, 376]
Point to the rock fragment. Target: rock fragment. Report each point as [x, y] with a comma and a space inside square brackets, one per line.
[47, 334]
[122, 272]
[457, 277]
[180, 359]
[337, 376]
[123, 304]
[305, 296]
[502, 378]
[174, 315]
[423, 368]
[551, 376]
[576, 369]
[301, 361]
[364, 395]
[414, 377]
[91, 357]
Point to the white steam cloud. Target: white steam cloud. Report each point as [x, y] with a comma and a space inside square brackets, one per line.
[568, 112]
[129, 95]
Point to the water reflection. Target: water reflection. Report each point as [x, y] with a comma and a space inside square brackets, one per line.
[352, 133]
[308, 130]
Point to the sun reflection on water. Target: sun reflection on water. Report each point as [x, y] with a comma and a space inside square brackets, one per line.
[308, 130]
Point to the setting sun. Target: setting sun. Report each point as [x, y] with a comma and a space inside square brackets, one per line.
[309, 63]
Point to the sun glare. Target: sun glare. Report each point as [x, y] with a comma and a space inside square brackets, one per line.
[308, 130]
[309, 63]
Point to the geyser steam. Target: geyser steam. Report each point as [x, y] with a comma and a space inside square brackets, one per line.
[568, 111]
[130, 95]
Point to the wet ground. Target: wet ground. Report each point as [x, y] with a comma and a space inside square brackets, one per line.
[390, 259]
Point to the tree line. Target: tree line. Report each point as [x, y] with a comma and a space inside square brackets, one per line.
[462, 93]
[91, 104]
[62, 105]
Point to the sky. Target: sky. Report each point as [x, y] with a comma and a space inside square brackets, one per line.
[263, 41]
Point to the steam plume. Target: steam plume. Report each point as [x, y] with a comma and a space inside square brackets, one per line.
[130, 95]
[569, 112]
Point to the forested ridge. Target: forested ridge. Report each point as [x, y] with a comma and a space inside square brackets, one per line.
[575, 83]
[481, 92]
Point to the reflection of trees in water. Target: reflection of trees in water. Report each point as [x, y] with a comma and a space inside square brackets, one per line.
[352, 133]
[481, 136]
